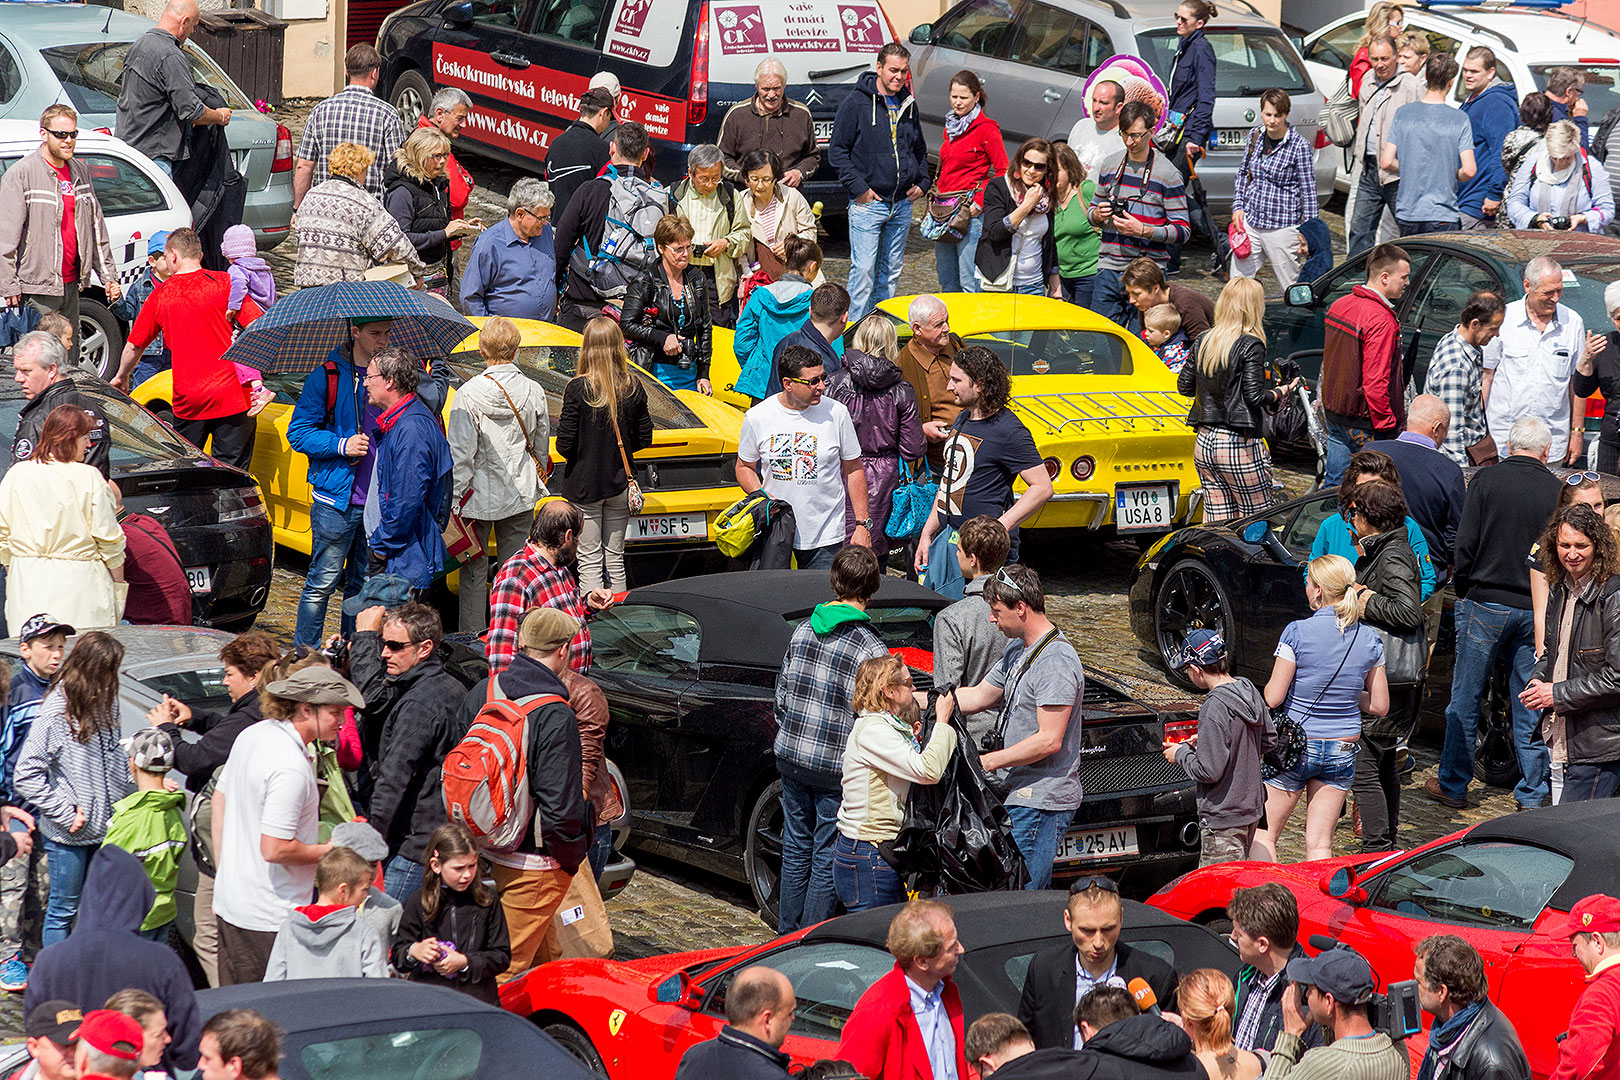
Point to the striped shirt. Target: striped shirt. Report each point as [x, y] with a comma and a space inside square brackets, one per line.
[1154, 195]
[60, 775]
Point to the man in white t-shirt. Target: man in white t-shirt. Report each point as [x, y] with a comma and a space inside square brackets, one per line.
[801, 448]
[1096, 136]
[266, 817]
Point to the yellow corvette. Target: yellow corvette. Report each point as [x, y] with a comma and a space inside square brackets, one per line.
[687, 475]
[1103, 408]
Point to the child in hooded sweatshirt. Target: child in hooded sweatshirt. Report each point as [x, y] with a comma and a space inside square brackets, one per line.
[1234, 731]
[376, 906]
[328, 939]
[453, 931]
[771, 313]
[150, 824]
[250, 274]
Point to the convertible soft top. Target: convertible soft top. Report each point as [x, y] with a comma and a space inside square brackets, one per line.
[988, 920]
[1587, 832]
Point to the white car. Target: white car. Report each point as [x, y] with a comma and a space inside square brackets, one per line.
[1528, 45]
[137, 200]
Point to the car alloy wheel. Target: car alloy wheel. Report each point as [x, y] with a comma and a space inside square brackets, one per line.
[410, 98]
[762, 852]
[101, 341]
[1189, 598]
[577, 1043]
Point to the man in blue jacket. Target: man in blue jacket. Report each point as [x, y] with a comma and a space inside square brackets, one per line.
[1492, 109]
[878, 149]
[406, 506]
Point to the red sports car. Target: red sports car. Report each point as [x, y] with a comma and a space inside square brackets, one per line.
[1493, 884]
[633, 1020]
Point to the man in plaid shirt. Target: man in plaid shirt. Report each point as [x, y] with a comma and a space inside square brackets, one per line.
[354, 114]
[542, 575]
[1456, 373]
[814, 714]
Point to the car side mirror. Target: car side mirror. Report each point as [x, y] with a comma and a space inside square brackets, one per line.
[922, 35]
[1300, 296]
[676, 990]
[1260, 532]
[1341, 885]
[459, 14]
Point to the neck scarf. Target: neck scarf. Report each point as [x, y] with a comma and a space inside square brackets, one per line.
[1017, 188]
[1443, 1038]
[956, 126]
[1553, 184]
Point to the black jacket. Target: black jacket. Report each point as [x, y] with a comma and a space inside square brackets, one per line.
[1389, 568]
[1054, 1065]
[996, 244]
[478, 932]
[1143, 1048]
[1605, 377]
[733, 1055]
[1047, 1004]
[1435, 493]
[592, 470]
[1589, 698]
[1503, 516]
[1488, 1050]
[199, 760]
[1236, 396]
[649, 316]
[32, 418]
[416, 720]
[575, 156]
[422, 208]
[1265, 1036]
[866, 155]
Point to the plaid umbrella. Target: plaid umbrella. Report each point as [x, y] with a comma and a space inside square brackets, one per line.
[301, 330]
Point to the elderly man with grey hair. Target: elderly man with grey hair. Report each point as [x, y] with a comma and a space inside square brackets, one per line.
[448, 112]
[41, 369]
[1504, 512]
[512, 271]
[720, 227]
[771, 121]
[926, 364]
[1530, 367]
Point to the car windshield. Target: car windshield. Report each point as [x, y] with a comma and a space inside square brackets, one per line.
[1057, 352]
[1249, 60]
[553, 365]
[1601, 88]
[899, 627]
[91, 74]
[138, 438]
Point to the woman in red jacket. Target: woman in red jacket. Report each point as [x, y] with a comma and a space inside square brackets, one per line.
[971, 154]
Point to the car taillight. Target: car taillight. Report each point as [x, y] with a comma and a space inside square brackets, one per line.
[1322, 141]
[283, 161]
[1053, 467]
[1179, 731]
[103, 131]
[697, 103]
[1083, 467]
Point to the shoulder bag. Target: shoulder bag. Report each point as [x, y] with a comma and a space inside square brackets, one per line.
[1290, 745]
[540, 470]
[1340, 114]
[461, 541]
[632, 492]
[913, 499]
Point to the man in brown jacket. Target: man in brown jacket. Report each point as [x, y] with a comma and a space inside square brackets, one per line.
[769, 121]
[52, 233]
[926, 364]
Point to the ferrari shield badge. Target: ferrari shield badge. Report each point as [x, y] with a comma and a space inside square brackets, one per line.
[615, 1021]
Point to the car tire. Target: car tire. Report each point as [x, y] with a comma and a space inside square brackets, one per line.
[1187, 598]
[568, 1036]
[410, 97]
[762, 852]
[101, 339]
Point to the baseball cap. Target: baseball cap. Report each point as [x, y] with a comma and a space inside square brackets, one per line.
[318, 685]
[42, 626]
[57, 1021]
[1342, 972]
[361, 839]
[1203, 647]
[150, 750]
[606, 80]
[113, 1034]
[366, 320]
[157, 242]
[1595, 914]
[547, 629]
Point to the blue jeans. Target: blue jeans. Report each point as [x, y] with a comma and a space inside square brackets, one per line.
[820, 558]
[1077, 290]
[809, 825]
[157, 933]
[1418, 228]
[955, 261]
[1582, 783]
[166, 165]
[1372, 198]
[861, 877]
[149, 365]
[68, 864]
[1484, 632]
[1108, 296]
[1342, 441]
[401, 877]
[601, 850]
[877, 250]
[1033, 288]
[1332, 761]
[337, 555]
[1037, 832]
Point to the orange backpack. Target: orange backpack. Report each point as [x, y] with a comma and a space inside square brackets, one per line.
[486, 776]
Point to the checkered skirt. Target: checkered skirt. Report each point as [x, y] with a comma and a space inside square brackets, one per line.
[1235, 471]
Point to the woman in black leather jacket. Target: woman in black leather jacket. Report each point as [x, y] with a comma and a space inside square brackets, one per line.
[666, 312]
[1578, 676]
[1227, 382]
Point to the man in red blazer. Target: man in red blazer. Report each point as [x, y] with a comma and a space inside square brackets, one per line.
[908, 1024]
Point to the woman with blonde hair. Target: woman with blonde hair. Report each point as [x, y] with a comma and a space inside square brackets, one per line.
[888, 423]
[882, 759]
[1557, 189]
[500, 432]
[1384, 19]
[1412, 52]
[416, 191]
[604, 422]
[343, 229]
[1230, 400]
[1207, 1003]
[1329, 670]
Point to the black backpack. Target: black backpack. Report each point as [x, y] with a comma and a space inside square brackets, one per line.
[1600, 137]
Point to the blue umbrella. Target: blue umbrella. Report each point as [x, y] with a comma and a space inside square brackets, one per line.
[300, 330]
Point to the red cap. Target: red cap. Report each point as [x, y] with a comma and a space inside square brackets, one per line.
[1596, 914]
[112, 1033]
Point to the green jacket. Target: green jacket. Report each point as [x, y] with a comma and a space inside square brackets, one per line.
[150, 826]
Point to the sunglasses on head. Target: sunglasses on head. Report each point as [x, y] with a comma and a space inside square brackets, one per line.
[1086, 884]
[1005, 580]
[1578, 478]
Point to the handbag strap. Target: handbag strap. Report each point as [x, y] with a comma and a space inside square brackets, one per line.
[1017, 678]
[1335, 676]
[527, 444]
[613, 415]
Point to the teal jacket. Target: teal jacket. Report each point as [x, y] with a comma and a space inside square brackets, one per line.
[1333, 538]
[772, 313]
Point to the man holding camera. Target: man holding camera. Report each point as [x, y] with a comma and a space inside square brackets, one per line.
[1334, 989]
[1140, 209]
[1470, 1039]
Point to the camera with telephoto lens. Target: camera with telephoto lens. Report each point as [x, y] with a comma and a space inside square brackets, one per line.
[1395, 1012]
[688, 356]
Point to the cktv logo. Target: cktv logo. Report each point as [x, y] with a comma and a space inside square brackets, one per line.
[742, 29]
[863, 27]
[632, 17]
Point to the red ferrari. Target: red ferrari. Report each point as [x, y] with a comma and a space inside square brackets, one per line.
[1494, 885]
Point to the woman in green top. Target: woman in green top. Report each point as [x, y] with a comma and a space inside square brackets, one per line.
[1077, 238]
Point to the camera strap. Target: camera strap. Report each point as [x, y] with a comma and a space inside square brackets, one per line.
[1029, 658]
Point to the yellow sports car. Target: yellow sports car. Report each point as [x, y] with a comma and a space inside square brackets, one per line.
[687, 475]
[1103, 408]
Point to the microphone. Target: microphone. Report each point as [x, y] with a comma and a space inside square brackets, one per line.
[1146, 1000]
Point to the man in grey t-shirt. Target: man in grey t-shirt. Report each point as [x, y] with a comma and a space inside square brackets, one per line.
[1039, 683]
[1431, 146]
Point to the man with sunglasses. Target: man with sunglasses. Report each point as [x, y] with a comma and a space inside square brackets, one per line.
[52, 232]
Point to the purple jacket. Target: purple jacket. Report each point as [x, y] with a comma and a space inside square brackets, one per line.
[883, 406]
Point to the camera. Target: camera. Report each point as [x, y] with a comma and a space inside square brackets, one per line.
[688, 355]
[993, 740]
[1119, 206]
[338, 654]
[1395, 1012]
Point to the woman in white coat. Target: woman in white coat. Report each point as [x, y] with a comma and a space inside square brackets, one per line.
[500, 435]
[1559, 188]
[775, 212]
[60, 540]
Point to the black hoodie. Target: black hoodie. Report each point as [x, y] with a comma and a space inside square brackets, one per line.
[1143, 1048]
[104, 954]
[866, 155]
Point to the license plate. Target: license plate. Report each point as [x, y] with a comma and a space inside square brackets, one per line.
[823, 131]
[1231, 138]
[651, 528]
[200, 579]
[1093, 845]
[1143, 509]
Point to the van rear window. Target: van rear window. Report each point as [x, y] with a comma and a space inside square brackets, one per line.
[646, 31]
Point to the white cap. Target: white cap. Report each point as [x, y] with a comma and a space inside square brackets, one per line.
[607, 81]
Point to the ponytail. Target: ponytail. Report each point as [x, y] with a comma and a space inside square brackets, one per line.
[801, 253]
[1334, 575]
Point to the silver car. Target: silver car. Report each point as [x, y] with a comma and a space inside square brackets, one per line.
[1033, 57]
[75, 53]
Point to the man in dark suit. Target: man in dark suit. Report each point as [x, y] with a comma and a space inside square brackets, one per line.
[1058, 978]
